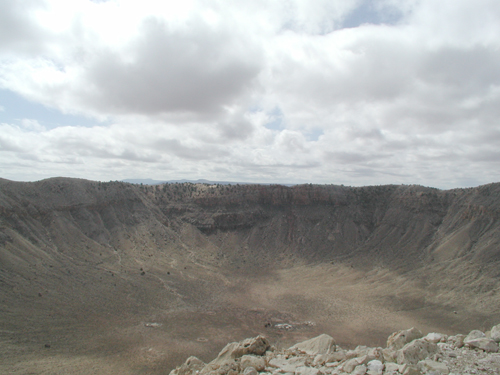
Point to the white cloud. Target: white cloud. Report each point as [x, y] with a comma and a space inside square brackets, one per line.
[257, 90]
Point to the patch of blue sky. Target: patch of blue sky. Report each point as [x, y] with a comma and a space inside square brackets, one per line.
[277, 120]
[372, 12]
[278, 123]
[14, 108]
[314, 134]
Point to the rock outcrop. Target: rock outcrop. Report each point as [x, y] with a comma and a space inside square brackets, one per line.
[434, 354]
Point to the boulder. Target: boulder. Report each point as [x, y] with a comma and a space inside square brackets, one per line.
[429, 366]
[410, 370]
[483, 343]
[256, 346]
[375, 353]
[250, 371]
[399, 339]
[305, 370]
[435, 337]
[351, 364]
[190, 367]
[323, 344]
[416, 351]
[456, 341]
[389, 355]
[375, 367]
[252, 361]
[337, 356]
[393, 368]
[495, 333]
[319, 360]
[287, 364]
[359, 370]
[474, 334]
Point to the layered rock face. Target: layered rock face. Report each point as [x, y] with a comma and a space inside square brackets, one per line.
[408, 352]
[400, 225]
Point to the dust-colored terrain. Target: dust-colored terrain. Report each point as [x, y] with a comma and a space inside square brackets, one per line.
[117, 278]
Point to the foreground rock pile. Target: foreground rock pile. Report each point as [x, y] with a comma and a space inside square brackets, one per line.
[408, 352]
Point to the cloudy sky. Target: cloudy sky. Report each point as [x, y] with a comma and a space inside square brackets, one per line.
[354, 92]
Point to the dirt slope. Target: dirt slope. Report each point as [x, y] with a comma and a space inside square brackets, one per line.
[120, 278]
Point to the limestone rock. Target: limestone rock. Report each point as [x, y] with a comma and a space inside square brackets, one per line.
[323, 344]
[475, 334]
[190, 367]
[495, 333]
[319, 360]
[435, 367]
[421, 356]
[399, 339]
[337, 356]
[393, 368]
[483, 343]
[389, 355]
[456, 341]
[375, 353]
[352, 363]
[250, 371]
[252, 361]
[287, 364]
[415, 351]
[435, 337]
[304, 370]
[359, 370]
[375, 367]
[410, 370]
[256, 346]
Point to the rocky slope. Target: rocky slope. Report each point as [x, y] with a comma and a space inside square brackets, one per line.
[408, 352]
[115, 269]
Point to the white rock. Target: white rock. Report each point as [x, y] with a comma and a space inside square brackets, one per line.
[287, 365]
[305, 370]
[399, 339]
[190, 367]
[456, 341]
[256, 345]
[488, 345]
[337, 356]
[319, 360]
[250, 371]
[361, 350]
[323, 344]
[375, 353]
[359, 370]
[416, 350]
[495, 333]
[391, 367]
[436, 367]
[376, 365]
[475, 334]
[410, 370]
[351, 364]
[252, 361]
[389, 355]
[434, 337]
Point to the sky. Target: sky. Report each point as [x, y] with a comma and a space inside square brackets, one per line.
[351, 92]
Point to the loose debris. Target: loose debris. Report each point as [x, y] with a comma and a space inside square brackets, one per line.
[408, 352]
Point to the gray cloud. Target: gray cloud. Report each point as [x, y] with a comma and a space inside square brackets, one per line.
[175, 147]
[19, 31]
[9, 145]
[196, 69]
[467, 70]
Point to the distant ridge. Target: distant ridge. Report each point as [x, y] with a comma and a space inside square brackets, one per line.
[149, 181]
